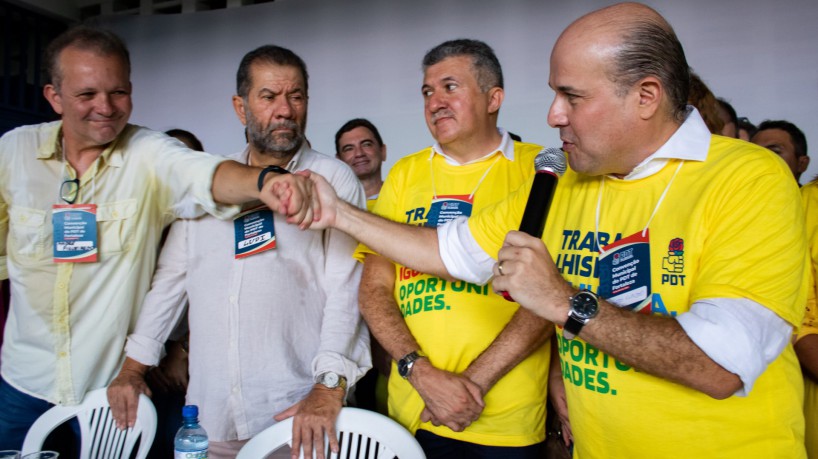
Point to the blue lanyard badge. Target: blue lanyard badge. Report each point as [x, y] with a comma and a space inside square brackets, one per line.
[75, 233]
[446, 208]
[254, 231]
[624, 272]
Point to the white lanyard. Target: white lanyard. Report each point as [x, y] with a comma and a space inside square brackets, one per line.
[479, 182]
[655, 209]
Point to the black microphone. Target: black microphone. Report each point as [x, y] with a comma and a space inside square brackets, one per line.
[550, 165]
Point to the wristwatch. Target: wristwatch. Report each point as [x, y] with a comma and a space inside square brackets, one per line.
[331, 380]
[406, 363]
[263, 173]
[584, 307]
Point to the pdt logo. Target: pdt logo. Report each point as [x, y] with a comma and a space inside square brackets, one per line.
[674, 263]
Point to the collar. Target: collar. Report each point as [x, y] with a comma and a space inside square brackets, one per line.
[690, 142]
[52, 148]
[506, 148]
[292, 165]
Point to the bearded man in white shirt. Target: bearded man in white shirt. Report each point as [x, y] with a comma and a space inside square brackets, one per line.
[274, 326]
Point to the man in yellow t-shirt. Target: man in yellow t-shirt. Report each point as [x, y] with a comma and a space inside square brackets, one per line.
[696, 244]
[806, 346]
[472, 367]
[788, 141]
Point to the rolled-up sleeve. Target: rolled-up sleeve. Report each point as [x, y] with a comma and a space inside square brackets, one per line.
[166, 302]
[344, 346]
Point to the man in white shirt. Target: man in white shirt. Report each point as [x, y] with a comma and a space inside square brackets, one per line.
[83, 202]
[273, 318]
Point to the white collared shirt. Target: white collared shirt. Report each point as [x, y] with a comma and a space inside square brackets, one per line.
[68, 321]
[262, 327]
[506, 148]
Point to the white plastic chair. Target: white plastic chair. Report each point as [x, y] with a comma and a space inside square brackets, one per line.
[100, 437]
[361, 434]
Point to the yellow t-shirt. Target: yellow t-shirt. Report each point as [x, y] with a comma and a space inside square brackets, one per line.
[370, 203]
[809, 193]
[729, 227]
[453, 322]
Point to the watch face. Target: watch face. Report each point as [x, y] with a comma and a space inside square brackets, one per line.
[584, 304]
[331, 380]
[402, 367]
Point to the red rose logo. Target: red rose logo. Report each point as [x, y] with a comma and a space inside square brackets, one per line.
[676, 245]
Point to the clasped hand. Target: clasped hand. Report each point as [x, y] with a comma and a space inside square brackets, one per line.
[451, 399]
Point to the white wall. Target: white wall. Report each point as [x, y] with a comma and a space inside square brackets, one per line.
[364, 58]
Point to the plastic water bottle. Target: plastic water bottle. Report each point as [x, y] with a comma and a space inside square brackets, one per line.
[191, 439]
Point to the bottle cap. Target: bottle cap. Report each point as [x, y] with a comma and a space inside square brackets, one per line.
[190, 411]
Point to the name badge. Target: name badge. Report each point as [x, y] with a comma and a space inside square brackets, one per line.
[75, 233]
[447, 208]
[624, 273]
[255, 232]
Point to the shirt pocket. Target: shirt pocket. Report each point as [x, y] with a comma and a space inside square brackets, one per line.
[27, 231]
[116, 222]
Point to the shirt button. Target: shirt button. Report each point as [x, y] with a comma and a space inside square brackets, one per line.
[232, 299]
[115, 214]
[62, 355]
[61, 285]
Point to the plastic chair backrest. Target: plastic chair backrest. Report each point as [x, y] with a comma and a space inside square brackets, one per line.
[361, 434]
[100, 437]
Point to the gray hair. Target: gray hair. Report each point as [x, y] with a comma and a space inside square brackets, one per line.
[486, 66]
[650, 48]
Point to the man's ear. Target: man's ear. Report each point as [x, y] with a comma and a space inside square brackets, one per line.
[239, 107]
[53, 97]
[383, 152]
[651, 95]
[803, 163]
[496, 96]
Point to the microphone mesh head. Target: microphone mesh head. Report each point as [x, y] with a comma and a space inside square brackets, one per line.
[551, 160]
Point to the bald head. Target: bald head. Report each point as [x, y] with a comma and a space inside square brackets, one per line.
[636, 42]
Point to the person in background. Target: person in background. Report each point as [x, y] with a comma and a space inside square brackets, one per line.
[705, 102]
[787, 141]
[274, 325]
[728, 116]
[746, 129]
[168, 380]
[806, 345]
[359, 144]
[187, 138]
[83, 202]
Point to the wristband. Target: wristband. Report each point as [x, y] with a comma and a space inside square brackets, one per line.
[263, 173]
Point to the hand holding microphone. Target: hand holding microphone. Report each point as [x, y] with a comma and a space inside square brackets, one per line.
[550, 165]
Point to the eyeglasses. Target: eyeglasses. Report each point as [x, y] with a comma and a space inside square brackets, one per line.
[69, 190]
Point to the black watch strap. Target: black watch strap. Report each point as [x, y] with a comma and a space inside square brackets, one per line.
[572, 327]
[266, 170]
